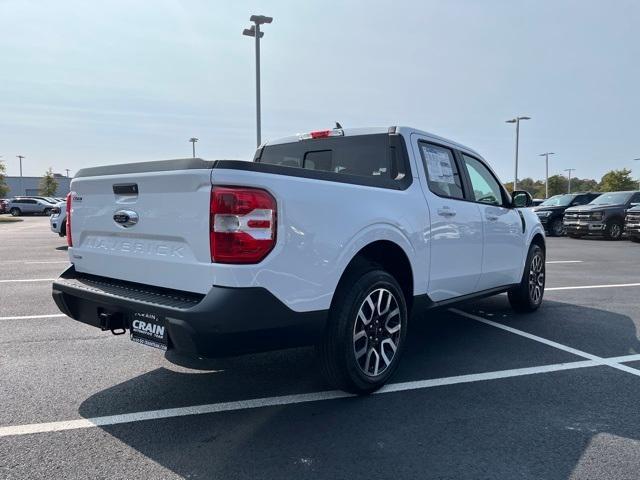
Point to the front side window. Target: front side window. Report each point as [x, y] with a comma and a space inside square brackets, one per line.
[486, 188]
[443, 177]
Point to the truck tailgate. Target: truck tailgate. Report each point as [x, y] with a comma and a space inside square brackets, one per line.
[168, 245]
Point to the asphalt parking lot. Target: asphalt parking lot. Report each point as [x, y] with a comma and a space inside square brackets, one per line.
[481, 392]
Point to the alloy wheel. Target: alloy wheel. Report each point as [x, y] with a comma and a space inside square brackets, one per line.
[536, 278]
[376, 332]
[615, 231]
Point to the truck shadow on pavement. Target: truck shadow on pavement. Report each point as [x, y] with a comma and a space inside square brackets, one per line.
[546, 425]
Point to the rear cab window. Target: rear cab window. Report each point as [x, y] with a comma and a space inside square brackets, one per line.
[379, 157]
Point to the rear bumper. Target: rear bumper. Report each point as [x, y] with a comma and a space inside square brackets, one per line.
[225, 321]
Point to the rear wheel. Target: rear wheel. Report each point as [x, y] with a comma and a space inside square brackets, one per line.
[366, 330]
[635, 239]
[15, 212]
[613, 230]
[557, 228]
[527, 296]
[46, 212]
[573, 235]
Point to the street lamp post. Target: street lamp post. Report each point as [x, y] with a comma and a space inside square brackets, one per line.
[67, 170]
[22, 192]
[636, 160]
[193, 141]
[569, 170]
[517, 122]
[546, 174]
[255, 32]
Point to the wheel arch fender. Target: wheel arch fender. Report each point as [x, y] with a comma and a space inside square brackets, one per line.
[390, 247]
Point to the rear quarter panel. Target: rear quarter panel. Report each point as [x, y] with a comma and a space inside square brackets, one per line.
[321, 227]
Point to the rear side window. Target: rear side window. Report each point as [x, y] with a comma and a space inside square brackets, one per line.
[362, 155]
[443, 176]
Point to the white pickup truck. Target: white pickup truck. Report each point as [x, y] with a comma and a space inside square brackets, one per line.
[331, 238]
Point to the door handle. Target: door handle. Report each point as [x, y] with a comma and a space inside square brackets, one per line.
[492, 218]
[446, 212]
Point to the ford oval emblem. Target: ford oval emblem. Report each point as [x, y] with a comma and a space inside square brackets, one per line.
[125, 218]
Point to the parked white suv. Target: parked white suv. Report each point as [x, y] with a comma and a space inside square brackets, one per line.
[329, 238]
[58, 219]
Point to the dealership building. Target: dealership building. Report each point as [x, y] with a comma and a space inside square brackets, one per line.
[31, 185]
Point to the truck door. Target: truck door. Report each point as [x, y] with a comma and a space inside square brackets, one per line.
[503, 228]
[455, 234]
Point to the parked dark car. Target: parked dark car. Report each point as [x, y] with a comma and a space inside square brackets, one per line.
[551, 211]
[3, 205]
[632, 224]
[603, 216]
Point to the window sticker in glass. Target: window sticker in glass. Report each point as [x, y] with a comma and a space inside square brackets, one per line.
[438, 164]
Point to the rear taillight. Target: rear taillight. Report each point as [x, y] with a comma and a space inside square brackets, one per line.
[242, 224]
[68, 227]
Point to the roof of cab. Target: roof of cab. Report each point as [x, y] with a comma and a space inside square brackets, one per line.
[404, 130]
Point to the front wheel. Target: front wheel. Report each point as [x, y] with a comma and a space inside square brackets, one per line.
[15, 212]
[527, 296]
[366, 330]
[557, 228]
[613, 230]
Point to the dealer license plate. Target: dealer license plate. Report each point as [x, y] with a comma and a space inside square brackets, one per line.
[149, 329]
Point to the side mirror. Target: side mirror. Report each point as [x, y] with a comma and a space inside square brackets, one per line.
[521, 199]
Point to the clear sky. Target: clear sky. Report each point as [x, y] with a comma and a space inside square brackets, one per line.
[87, 83]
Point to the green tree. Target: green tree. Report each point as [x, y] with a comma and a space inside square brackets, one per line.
[558, 184]
[48, 184]
[584, 185]
[4, 188]
[618, 180]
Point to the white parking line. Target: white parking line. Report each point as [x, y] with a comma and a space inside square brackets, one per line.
[28, 280]
[583, 287]
[551, 343]
[563, 261]
[32, 317]
[33, 428]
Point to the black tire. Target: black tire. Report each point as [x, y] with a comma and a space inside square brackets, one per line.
[573, 235]
[557, 228]
[635, 239]
[15, 212]
[527, 296]
[46, 212]
[339, 363]
[613, 230]
[63, 230]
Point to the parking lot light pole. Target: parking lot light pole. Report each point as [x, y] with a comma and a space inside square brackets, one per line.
[546, 174]
[255, 32]
[193, 141]
[517, 122]
[637, 160]
[22, 192]
[569, 170]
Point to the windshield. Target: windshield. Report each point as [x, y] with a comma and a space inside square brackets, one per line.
[558, 201]
[614, 198]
